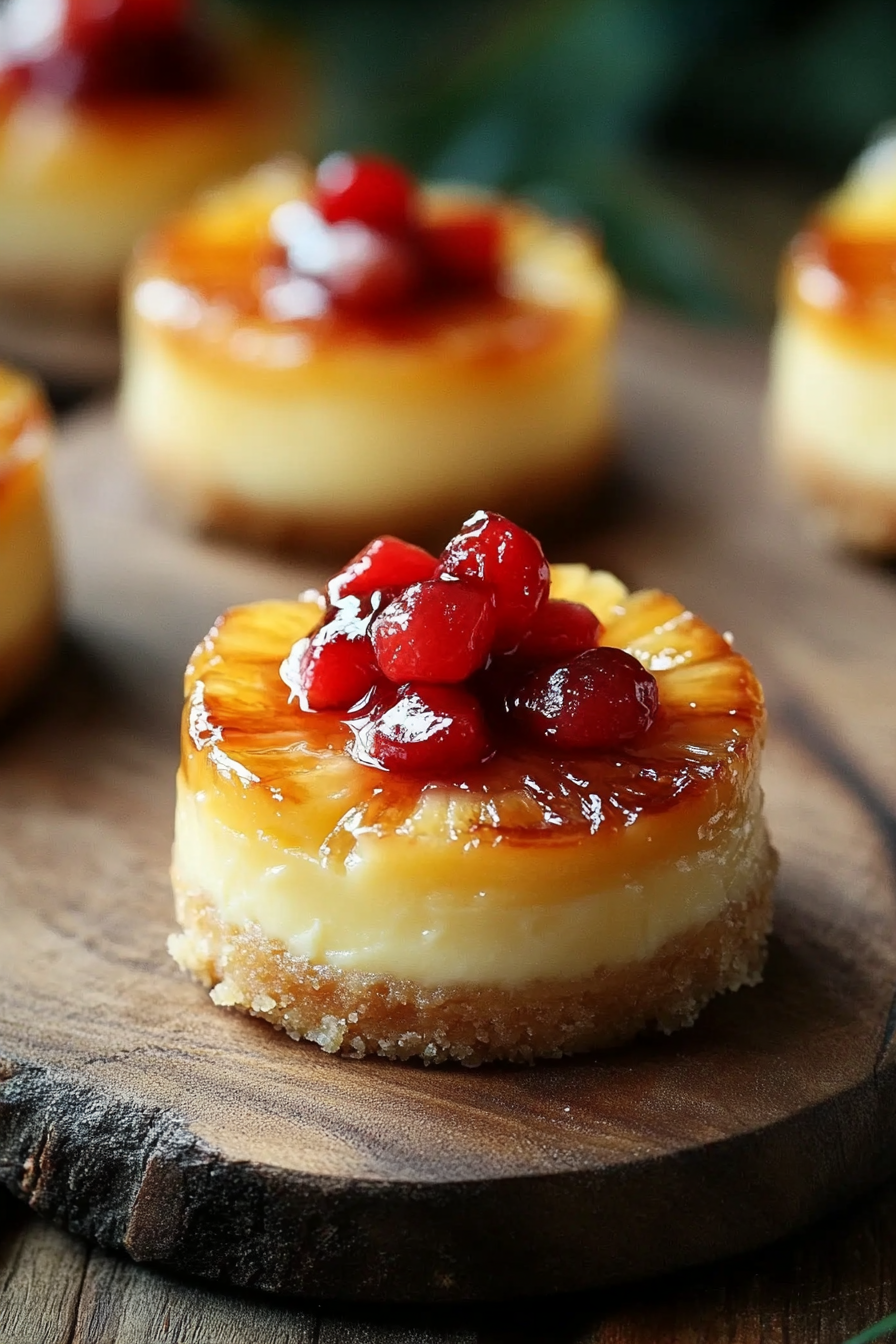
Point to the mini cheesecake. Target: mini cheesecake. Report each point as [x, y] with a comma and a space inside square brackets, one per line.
[559, 851]
[27, 576]
[833, 370]
[110, 117]
[306, 364]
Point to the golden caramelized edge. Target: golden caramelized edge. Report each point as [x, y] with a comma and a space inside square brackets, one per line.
[353, 1014]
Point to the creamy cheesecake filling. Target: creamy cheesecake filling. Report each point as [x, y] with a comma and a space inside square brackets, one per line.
[835, 401]
[342, 446]
[355, 919]
[79, 189]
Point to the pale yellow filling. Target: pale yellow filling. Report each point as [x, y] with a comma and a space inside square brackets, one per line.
[348, 447]
[836, 402]
[368, 917]
[78, 191]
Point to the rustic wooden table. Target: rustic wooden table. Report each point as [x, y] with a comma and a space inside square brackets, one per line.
[694, 516]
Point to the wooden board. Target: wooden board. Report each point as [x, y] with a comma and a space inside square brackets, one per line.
[139, 1115]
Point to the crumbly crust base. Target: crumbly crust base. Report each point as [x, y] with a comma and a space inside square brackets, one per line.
[209, 510]
[853, 512]
[355, 1014]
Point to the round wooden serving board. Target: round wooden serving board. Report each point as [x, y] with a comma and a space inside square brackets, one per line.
[136, 1113]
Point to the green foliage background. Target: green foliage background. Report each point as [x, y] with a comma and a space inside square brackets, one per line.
[582, 104]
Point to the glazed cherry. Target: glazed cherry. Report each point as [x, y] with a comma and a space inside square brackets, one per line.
[559, 630]
[388, 562]
[372, 190]
[335, 667]
[359, 268]
[438, 631]
[510, 561]
[84, 17]
[370, 272]
[437, 729]
[598, 700]
[464, 251]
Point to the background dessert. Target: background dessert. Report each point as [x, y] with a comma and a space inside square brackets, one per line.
[313, 361]
[110, 116]
[833, 372]
[28, 616]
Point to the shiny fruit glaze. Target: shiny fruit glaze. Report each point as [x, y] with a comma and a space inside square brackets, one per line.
[293, 775]
[559, 629]
[489, 596]
[362, 240]
[440, 631]
[384, 562]
[493, 551]
[596, 700]
[121, 51]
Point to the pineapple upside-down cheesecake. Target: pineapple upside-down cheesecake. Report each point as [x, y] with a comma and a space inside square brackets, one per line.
[469, 808]
[111, 115]
[833, 373]
[317, 356]
[27, 572]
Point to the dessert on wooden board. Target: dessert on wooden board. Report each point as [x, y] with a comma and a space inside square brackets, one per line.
[316, 356]
[28, 615]
[833, 372]
[470, 808]
[111, 115]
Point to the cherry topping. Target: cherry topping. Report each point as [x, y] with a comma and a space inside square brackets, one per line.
[438, 729]
[509, 560]
[101, 50]
[388, 562]
[370, 271]
[559, 630]
[598, 700]
[465, 250]
[335, 668]
[374, 191]
[440, 630]
[84, 18]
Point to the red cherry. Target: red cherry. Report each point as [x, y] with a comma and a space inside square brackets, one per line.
[440, 630]
[466, 250]
[85, 18]
[336, 667]
[370, 272]
[560, 629]
[372, 190]
[598, 700]
[437, 729]
[386, 563]
[510, 561]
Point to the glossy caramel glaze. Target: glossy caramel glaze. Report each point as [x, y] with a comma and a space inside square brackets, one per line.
[215, 269]
[289, 774]
[844, 280]
[24, 422]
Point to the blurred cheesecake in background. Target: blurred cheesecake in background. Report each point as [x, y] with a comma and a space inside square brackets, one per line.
[313, 357]
[27, 575]
[112, 112]
[833, 372]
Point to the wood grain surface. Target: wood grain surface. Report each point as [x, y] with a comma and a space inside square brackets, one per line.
[137, 1114]
[820, 1287]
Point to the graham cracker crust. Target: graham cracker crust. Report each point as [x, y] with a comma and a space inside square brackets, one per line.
[855, 513]
[355, 1014]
